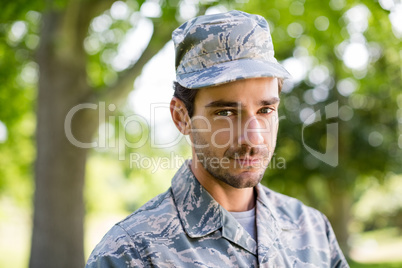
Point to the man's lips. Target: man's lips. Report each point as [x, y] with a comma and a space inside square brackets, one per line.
[249, 161]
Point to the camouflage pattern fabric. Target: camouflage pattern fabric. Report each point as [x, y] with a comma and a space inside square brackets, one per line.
[221, 48]
[186, 227]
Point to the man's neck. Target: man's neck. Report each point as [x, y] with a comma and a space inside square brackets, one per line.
[232, 199]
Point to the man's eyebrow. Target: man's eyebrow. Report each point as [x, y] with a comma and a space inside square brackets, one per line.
[273, 100]
[221, 103]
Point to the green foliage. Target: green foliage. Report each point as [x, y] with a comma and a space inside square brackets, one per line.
[16, 10]
[369, 209]
[368, 113]
[18, 78]
[129, 170]
[20, 26]
[354, 264]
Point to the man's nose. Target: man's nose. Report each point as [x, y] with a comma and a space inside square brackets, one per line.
[252, 132]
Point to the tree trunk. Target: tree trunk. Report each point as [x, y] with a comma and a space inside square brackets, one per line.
[340, 215]
[57, 239]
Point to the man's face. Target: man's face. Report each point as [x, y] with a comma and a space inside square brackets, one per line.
[234, 130]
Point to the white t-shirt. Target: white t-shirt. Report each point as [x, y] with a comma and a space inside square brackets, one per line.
[247, 220]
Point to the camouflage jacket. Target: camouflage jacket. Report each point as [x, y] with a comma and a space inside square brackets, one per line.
[186, 227]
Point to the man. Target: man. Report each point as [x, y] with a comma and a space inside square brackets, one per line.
[216, 213]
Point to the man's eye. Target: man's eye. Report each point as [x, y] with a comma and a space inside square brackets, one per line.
[225, 113]
[266, 110]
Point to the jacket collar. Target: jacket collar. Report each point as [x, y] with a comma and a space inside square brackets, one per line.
[201, 215]
[270, 224]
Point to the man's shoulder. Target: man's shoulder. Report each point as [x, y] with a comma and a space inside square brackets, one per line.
[154, 204]
[309, 227]
[279, 199]
[144, 218]
[291, 208]
[156, 219]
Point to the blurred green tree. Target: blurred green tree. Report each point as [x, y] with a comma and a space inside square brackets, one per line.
[71, 49]
[17, 78]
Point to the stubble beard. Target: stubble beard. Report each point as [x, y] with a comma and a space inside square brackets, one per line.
[224, 173]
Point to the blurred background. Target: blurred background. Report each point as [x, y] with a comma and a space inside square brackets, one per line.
[86, 136]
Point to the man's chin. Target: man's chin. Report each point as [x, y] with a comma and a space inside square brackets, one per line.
[245, 184]
[244, 179]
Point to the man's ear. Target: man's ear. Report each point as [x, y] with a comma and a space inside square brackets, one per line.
[180, 116]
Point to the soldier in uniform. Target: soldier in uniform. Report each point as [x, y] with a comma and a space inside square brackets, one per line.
[216, 213]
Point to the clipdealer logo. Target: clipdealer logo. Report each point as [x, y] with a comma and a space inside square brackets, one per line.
[330, 156]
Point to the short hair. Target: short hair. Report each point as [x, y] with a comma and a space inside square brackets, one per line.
[187, 95]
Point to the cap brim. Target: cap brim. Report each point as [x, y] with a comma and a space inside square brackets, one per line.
[231, 71]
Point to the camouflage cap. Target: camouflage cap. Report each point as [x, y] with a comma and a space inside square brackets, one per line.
[221, 48]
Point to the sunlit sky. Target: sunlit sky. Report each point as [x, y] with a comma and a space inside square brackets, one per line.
[153, 92]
